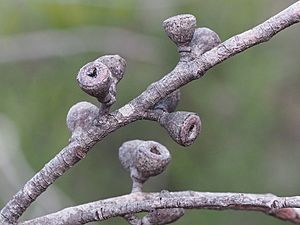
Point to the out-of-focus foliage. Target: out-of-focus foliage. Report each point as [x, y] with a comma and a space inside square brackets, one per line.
[249, 105]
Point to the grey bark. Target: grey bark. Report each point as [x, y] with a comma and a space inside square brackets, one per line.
[192, 65]
[280, 207]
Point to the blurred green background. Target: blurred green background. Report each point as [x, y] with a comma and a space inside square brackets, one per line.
[249, 105]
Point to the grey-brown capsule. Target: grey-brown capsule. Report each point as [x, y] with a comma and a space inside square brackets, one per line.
[95, 79]
[144, 158]
[169, 103]
[183, 127]
[81, 115]
[100, 77]
[204, 39]
[116, 65]
[180, 29]
[163, 216]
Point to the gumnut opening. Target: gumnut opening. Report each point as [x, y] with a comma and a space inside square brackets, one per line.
[204, 39]
[180, 29]
[169, 103]
[183, 127]
[163, 216]
[116, 65]
[81, 115]
[94, 78]
[144, 158]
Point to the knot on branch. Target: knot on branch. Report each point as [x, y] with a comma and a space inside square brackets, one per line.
[99, 79]
[181, 29]
[81, 116]
[143, 159]
[183, 127]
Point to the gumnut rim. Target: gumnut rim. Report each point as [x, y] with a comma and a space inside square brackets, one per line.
[94, 78]
[183, 127]
[190, 130]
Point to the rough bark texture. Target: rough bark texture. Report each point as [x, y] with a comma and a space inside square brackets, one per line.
[145, 202]
[190, 67]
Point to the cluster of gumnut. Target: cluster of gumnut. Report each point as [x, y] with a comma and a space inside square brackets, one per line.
[144, 159]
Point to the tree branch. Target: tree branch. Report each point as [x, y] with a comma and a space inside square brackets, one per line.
[185, 72]
[279, 207]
